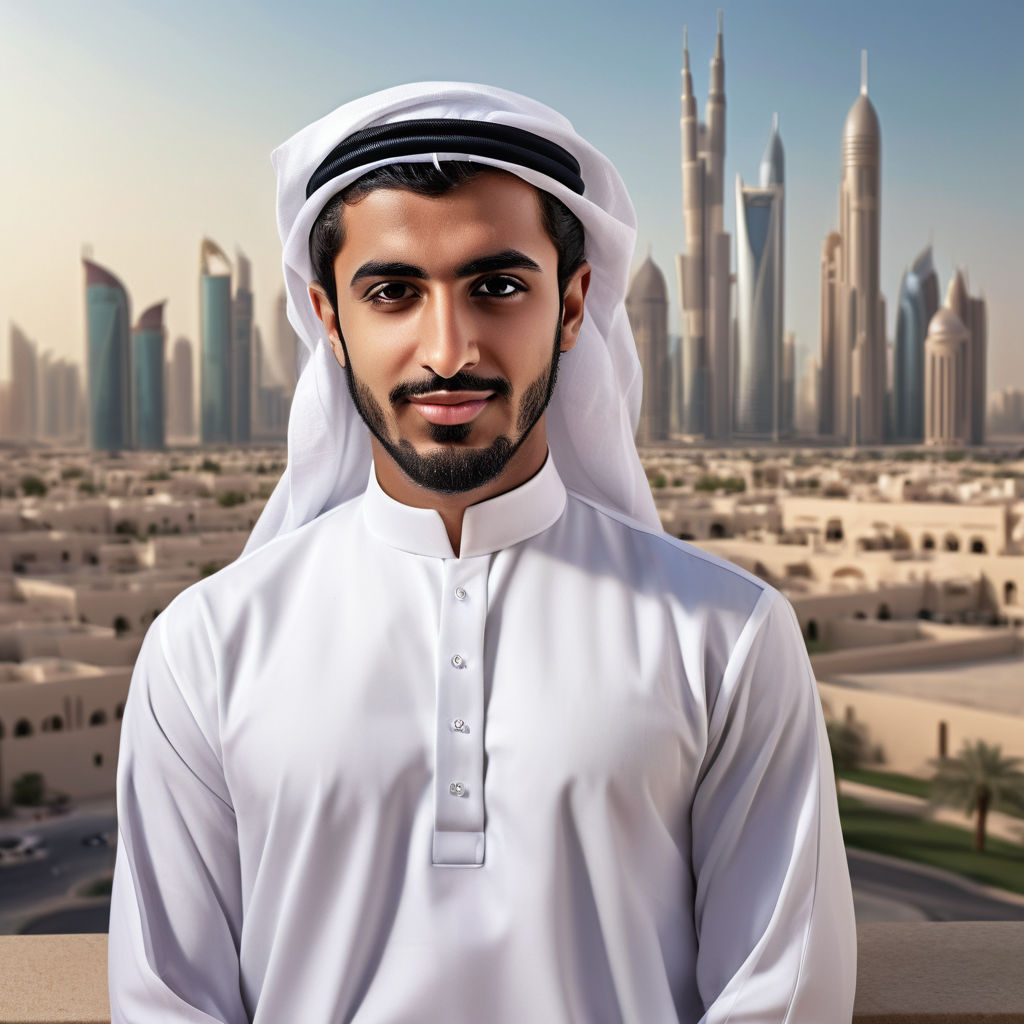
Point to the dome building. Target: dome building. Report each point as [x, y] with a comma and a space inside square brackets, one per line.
[946, 380]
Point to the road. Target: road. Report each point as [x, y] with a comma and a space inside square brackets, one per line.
[30, 888]
[892, 890]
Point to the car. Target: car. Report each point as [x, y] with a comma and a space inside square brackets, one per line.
[18, 849]
[97, 839]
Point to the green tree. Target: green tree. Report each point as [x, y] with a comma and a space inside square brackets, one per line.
[228, 499]
[979, 779]
[848, 743]
[27, 789]
[32, 486]
[208, 465]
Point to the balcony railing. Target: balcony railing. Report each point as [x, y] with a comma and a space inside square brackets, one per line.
[941, 973]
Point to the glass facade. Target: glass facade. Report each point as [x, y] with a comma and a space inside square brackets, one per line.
[216, 366]
[242, 377]
[757, 366]
[918, 302]
[148, 378]
[109, 359]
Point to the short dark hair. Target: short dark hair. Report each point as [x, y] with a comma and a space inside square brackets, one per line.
[426, 179]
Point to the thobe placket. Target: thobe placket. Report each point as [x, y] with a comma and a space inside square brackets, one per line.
[459, 735]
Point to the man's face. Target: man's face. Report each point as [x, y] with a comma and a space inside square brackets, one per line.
[450, 326]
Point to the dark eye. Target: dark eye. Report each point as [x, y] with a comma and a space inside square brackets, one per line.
[499, 287]
[390, 291]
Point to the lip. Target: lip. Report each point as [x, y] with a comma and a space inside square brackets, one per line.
[450, 407]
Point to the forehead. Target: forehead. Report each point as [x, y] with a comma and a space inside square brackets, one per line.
[490, 210]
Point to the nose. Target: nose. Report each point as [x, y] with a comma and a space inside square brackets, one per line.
[447, 341]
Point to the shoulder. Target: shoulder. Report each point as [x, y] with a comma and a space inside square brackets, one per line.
[261, 574]
[681, 568]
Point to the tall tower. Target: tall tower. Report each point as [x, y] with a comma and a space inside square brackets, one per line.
[853, 342]
[918, 303]
[703, 270]
[148, 341]
[243, 377]
[108, 359]
[647, 309]
[759, 369]
[181, 422]
[23, 416]
[947, 380]
[216, 379]
[972, 313]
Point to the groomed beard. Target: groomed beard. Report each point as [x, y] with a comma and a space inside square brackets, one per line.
[453, 469]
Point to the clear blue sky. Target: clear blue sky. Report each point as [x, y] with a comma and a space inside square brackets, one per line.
[137, 127]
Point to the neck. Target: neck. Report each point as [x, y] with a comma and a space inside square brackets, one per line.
[524, 464]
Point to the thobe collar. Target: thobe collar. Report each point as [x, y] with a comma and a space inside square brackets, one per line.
[488, 526]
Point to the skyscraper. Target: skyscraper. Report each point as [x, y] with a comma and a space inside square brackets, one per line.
[181, 421]
[108, 359]
[918, 302]
[853, 327]
[703, 270]
[647, 309]
[972, 314]
[148, 341]
[242, 377]
[23, 416]
[759, 357]
[216, 377]
[947, 383]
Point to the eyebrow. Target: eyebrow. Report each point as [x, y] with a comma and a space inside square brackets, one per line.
[509, 259]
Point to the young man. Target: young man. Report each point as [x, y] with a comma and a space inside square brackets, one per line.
[464, 736]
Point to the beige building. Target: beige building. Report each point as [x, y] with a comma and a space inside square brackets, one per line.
[971, 312]
[853, 345]
[63, 719]
[947, 380]
[647, 309]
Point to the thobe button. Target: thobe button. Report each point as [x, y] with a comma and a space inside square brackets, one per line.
[456, 789]
[459, 725]
[458, 661]
[460, 593]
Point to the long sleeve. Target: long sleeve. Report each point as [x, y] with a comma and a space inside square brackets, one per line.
[175, 914]
[773, 907]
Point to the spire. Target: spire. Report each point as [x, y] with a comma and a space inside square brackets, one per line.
[775, 123]
[716, 86]
[687, 77]
[863, 72]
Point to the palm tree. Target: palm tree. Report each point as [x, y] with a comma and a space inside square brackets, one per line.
[978, 779]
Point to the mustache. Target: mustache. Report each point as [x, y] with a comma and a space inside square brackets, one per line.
[460, 382]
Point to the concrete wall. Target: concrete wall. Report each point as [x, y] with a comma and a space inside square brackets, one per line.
[66, 757]
[917, 653]
[907, 728]
[81, 763]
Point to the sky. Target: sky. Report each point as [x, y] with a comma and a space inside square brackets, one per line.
[132, 129]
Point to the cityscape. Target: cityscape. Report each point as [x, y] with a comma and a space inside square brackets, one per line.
[872, 473]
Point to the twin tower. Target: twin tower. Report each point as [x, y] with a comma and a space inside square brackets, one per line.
[729, 377]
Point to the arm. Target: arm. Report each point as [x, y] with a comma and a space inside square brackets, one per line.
[175, 909]
[773, 906]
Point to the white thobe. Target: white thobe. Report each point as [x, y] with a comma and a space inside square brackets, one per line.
[578, 773]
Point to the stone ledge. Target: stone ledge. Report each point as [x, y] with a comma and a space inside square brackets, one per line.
[935, 973]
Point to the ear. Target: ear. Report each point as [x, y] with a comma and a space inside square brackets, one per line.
[325, 313]
[572, 305]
